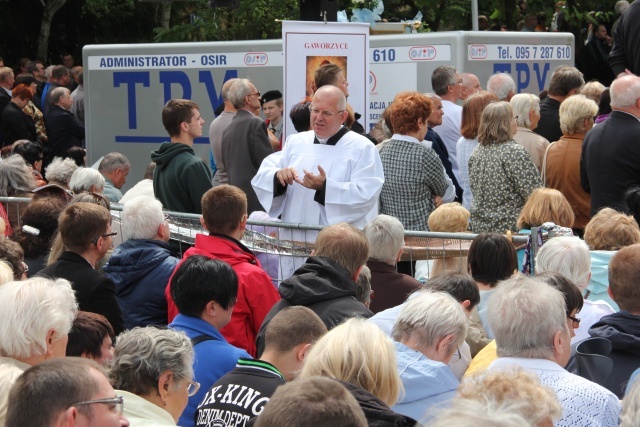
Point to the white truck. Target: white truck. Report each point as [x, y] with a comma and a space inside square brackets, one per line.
[127, 85]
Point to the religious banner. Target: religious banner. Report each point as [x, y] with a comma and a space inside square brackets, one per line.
[308, 46]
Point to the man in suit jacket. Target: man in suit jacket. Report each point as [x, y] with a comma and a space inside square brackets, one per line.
[245, 142]
[86, 233]
[63, 129]
[610, 161]
[6, 83]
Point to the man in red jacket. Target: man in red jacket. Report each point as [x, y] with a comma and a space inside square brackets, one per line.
[224, 215]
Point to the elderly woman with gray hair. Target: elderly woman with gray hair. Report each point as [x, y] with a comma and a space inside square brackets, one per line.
[526, 107]
[429, 330]
[502, 175]
[35, 321]
[86, 180]
[153, 371]
[562, 162]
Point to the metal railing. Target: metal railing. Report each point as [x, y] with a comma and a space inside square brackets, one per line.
[281, 247]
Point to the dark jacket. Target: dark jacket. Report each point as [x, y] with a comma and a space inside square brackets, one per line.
[324, 287]
[442, 152]
[16, 125]
[250, 378]
[63, 131]
[140, 270]
[181, 178]
[245, 144]
[595, 65]
[390, 287]
[626, 39]
[95, 293]
[622, 329]
[549, 124]
[610, 161]
[378, 414]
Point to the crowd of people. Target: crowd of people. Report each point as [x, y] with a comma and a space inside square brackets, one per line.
[109, 330]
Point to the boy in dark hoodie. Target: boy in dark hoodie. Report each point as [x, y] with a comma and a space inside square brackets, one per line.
[181, 178]
[622, 328]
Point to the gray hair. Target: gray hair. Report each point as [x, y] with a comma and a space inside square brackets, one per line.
[621, 6]
[58, 93]
[385, 235]
[442, 77]
[474, 413]
[61, 170]
[113, 161]
[501, 85]
[624, 96]
[15, 176]
[523, 104]
[86, 179]
[226, 87]
[631, 405]
[430, 316]
[565, 79]
[238, 91]
[573, 111]
[30, 309]
[48, 71]
[525, 314]
[141, 217]
[143, 354]
[568, 256]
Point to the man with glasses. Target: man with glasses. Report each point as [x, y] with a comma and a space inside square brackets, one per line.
[66, 391]
[87, 235]
[323, 176]
[245, 142]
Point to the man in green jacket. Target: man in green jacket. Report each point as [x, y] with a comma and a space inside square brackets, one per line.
[181, 178]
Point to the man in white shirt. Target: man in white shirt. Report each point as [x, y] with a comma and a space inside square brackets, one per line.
[447, 84]
[532, 330]
[323, 176]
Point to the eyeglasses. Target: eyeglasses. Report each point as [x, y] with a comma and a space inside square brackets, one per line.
[456, 356]
[166, 217]
[104, 236]
[193, 387]
[326, 114]
[254, 94]
[116, 404]
[575, 322]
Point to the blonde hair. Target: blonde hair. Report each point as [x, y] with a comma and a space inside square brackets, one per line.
[573, 111]
[515, 388]
[449, 218]
[495, 123]
[610, 230]
[593, 90]
[357, 352]
[546, 205]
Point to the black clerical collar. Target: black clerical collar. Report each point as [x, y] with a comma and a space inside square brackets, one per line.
[333, 140]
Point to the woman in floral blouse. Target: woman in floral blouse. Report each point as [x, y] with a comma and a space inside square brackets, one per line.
[501, 172]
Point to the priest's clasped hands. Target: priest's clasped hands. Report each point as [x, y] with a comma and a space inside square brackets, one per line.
[287, 176]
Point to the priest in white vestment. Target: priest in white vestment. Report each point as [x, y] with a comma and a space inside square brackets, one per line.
[321, 177]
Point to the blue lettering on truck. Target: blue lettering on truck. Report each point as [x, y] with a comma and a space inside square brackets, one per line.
[176, 85]
[523, 73]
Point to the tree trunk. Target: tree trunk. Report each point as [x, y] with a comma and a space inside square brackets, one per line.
[50, 9]
[438, 15]
[166, 15]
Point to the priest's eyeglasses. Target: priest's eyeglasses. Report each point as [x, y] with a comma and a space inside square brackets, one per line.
[326, 114]
[104, 236]
[116, 404]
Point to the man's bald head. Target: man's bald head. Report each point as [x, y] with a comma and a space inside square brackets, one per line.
[625, 92]
[331, 93]
[470, 85]
[225, 88]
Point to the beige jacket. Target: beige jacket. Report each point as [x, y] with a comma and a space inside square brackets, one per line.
[10, 370]
[535, 144]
